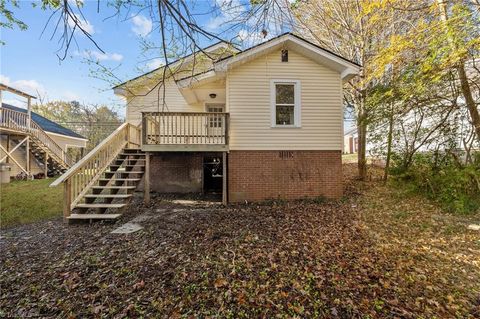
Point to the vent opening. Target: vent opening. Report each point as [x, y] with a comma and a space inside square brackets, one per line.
[284, 55]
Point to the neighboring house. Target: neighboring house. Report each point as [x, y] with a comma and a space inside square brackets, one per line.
[38, 147]
[263, 123]
[350, 141]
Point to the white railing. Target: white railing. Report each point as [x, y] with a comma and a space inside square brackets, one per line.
[185, 128]
[18, 121]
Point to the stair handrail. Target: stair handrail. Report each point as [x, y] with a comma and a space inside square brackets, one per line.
[82, 175]
[41, 135]
[19, 121]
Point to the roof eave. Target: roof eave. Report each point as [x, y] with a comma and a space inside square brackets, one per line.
[199, 79]
[176, 62]
[69, 136]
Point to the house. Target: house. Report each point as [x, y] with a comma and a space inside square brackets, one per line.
[350, 141]
[262, 123]
[32, 144]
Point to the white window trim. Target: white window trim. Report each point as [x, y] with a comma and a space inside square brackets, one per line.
[297, 106]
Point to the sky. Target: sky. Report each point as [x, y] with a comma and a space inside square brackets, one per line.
[29, 62]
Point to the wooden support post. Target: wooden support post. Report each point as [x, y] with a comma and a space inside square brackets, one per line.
[9, 153]
[27, 154]
[12, 158]
[8, 148]
[29, 125]
[29, 112]
[67, 196]
[224, 179]
[46, 165]
[146, 190]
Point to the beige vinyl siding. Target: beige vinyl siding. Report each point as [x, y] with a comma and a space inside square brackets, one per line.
[148, 103]
[248, 101]
[65, 141]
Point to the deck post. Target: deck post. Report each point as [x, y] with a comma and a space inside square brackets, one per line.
[224, 179]
[146, 184]
[128, 137]
[67, 196]
[29, 112]
[46, 164]
[8, 147]
[27, 154]
[29, 126]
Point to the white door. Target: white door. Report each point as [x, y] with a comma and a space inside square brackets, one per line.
[216, 122]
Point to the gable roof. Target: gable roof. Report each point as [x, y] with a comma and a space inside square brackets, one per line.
[209, 48]
[300, 38]
[46, 124]
[347, 68]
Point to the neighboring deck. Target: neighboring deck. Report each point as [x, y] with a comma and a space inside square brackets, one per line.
[185, 131]
[21, 129]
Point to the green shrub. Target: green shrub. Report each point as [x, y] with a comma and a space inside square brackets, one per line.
[441, 178]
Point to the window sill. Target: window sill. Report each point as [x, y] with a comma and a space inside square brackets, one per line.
[285, 126]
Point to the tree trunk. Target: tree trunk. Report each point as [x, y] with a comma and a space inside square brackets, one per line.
[462, 74]
[389, 146]
[469, 101]
[362, 139]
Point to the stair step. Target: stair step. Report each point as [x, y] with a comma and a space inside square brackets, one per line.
[114, 187]
[125, 172]
[100, 205]
[108, 196]
[132, 154]
[120, 179]
[130, 160]
[119, 165]
[94, 216]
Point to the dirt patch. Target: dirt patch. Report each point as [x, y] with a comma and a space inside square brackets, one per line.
[298, 259]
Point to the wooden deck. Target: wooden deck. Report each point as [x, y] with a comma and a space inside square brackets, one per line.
[36, 141]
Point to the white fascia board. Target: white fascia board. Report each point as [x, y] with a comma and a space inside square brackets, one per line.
[325, 54]
[349, 73]
[68, 136]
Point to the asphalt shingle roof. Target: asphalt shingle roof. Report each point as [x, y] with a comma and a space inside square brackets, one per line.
[45, 123]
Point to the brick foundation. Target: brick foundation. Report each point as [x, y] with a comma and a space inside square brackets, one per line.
[260, 175]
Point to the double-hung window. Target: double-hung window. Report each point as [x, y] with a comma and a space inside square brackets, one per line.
[285, 96]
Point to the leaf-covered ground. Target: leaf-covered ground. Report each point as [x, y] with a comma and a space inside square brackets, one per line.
[377, 254]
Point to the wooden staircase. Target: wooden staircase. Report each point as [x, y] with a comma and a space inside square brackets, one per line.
[103, 182]
[114, 189]
[40, 152]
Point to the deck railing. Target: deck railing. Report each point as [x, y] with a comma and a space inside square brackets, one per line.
[185, 128]
[18, 121]
[81, 176]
